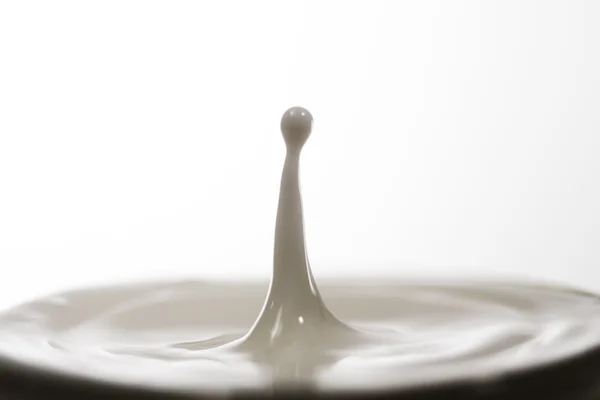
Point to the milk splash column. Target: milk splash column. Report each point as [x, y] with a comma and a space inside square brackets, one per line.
[294, 310]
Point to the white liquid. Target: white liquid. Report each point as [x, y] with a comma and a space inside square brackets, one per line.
[194, 336]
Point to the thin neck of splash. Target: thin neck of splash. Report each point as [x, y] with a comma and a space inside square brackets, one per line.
[291, 269]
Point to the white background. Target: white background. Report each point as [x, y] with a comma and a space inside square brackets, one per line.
[141, 138]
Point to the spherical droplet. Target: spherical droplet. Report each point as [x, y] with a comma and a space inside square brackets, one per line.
[296, 125]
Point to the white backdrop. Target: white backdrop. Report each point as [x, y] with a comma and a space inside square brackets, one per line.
[141, 138]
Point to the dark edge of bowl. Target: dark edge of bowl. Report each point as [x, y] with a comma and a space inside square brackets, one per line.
[573, 378]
